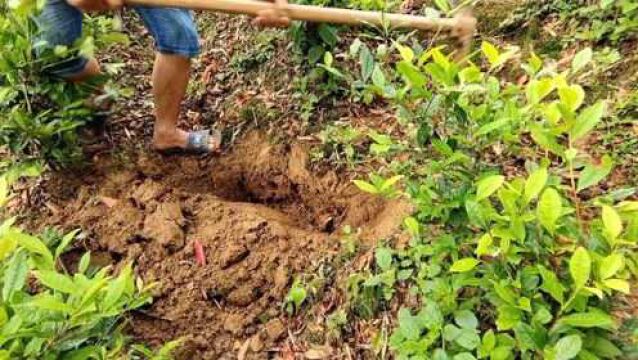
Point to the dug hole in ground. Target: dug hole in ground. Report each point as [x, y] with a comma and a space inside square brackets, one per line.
[261, 217]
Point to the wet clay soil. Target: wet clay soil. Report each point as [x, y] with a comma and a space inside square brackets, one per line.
[260, 216]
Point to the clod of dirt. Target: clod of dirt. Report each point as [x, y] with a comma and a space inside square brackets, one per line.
[275, 329]
[234, 323]
[232, 254]
[164, 225]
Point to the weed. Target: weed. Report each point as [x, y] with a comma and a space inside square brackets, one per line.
[296, 297]
[259, 52]
[340, 144]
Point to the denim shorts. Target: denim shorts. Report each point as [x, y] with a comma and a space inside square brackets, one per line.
[173, 30]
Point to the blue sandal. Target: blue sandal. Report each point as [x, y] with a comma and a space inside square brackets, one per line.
[198, 142]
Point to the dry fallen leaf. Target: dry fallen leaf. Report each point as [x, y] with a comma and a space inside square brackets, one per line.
[241, 355]
[318, 352]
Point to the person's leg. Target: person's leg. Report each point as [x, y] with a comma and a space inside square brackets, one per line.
[176, 42]
[90, 70]
[170, 79]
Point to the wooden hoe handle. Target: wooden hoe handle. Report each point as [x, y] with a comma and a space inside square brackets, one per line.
[462, 27]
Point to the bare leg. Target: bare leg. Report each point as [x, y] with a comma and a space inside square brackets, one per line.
[91, 69]
[170, 79]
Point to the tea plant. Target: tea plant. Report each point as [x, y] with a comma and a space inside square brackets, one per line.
[504, 265]
[381, 186]
[40, 114]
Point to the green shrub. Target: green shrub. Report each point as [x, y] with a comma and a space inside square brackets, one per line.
[39, 114]
[505, 265]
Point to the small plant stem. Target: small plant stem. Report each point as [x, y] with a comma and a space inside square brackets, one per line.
[575, 198]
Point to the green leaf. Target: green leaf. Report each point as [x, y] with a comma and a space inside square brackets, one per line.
[568, 347]
[549, 209]
[537, 90]
[581, 59]
[15, 275]
[627, 206]
[408, 324]
[464, 356]
[388, 183]
[587, 120]
[89, 352]
[484, 245]
[587, 320]
[527, 337]
[490, 52]
[571, 97]
[114, 38]
[4, 191]
[501, 353]
[508, 317]
[466, 319]
[367, 63]
[451, 332]
[85, 261]
[552, 113]
[594, 290]
[7, 245]
[610, 265]
[56, 281]
[580, 267]
[412, 225]
[488, 186]
[86, 47]
[430, 315]
[378, 79]
[464, 265]
[365, 186]
[603, 347]
[406, 52]
[551, 284]
[48, 302]
[66, 240]
[327, 59]
[34, 246]
[116, 288]
[612, 223]
[545, 139]
[488, 344]
[535, 184]
[355, 46]
[383, 257]
[328, 34]
[411, 74]
[618, 285]
[594, 173]
[468, 339]
[443, 5]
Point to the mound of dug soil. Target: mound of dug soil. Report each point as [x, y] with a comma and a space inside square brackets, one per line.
[260, 216]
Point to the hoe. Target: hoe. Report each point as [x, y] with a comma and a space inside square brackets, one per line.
[460, 27]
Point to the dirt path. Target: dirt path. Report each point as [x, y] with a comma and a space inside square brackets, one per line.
[260, 215]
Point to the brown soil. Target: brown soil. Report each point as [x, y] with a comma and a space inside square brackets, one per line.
[260, 215]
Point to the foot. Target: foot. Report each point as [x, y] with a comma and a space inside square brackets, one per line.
[196, 141]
